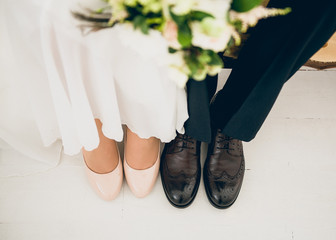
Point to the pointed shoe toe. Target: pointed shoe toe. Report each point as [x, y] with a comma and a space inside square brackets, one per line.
[141, 182]
[106, 185]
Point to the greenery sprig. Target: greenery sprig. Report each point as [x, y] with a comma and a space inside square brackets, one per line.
[195, 30]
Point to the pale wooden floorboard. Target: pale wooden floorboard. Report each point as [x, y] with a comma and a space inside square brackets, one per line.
[289, 190]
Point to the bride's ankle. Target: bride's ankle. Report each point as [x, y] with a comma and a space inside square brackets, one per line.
[102, 159]
[105, 157]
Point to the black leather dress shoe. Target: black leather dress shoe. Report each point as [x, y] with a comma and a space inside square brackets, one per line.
[180, 170]
[223, 171]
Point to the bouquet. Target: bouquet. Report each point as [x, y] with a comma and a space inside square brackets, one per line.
[195, 30]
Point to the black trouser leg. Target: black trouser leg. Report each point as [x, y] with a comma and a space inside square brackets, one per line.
[275, 50]
[199, 95]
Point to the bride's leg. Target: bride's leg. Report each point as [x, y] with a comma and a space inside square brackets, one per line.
[141, 153]
[103, 159]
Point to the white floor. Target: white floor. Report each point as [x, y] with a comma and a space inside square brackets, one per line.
[289, 190]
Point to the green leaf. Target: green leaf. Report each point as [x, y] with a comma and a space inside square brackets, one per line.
[192, 63]
[140, 22]
[201, 74]
[199, 15]
[145, 28]
[237, 25]
[172, 50]
[215, 59]
[180, 20]
[204, 57]
[244, 5]
[184, 35]
[193, 67]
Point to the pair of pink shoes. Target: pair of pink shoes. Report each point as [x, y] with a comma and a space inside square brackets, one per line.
[108, 185]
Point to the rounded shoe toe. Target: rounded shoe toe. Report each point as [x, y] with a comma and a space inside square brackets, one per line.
[222, 194]
[141, 182]
[179, 198]
[107, 185]
[181, 193]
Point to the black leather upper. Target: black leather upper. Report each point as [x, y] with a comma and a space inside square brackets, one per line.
[181, 170]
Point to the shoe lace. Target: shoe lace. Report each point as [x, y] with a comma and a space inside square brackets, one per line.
[224, 142]
[184, 139]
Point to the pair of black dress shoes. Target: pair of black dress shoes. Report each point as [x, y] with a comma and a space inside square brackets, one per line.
[223, 170]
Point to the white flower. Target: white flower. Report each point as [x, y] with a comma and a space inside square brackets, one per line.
[212, 34]
[178, 69]
[151, 5]
[200, 74]
[115, 4]
[131, 3]
[217, 8]
[179, 77]
[213, 70]
[118, 11]
[145, 2]
[182, 7]
[154, 7]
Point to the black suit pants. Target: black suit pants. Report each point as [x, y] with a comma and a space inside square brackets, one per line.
[276, 49]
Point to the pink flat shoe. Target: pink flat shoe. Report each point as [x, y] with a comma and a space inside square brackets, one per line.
[141, 182]
[106, 185]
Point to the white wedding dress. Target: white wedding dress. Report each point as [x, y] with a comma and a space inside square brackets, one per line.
[69, 79]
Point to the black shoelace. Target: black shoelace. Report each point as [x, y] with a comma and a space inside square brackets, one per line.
[184, 139]
[225, 142]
